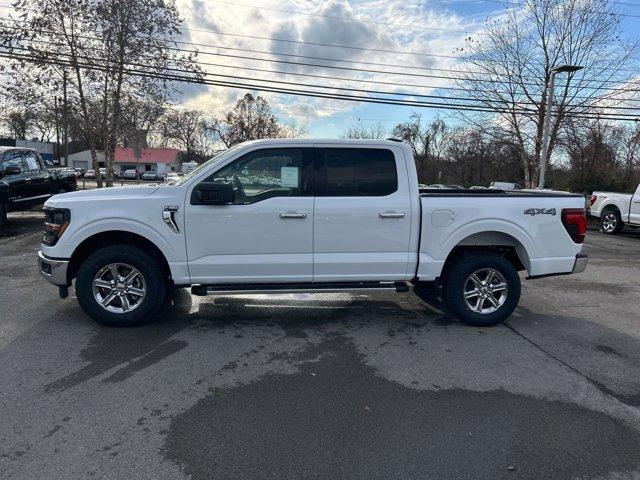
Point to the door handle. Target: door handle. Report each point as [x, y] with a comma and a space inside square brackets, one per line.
[391, 215]
[285, 215]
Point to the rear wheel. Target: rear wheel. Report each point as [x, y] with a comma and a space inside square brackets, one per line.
[610, 222]
[482, 289]
[121, 286]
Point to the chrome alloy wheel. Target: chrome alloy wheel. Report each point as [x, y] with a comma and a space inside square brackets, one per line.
[119, 288]
[485, 291]
[609, 222]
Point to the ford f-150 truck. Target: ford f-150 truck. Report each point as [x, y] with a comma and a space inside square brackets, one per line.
[615, 210]
[25, 181]
[307, 216]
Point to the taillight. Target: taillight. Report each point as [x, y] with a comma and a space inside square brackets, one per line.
[593, 199]
[56, 221]
[575, 221]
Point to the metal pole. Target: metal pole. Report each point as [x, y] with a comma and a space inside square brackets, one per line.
[55, 108]
[545, 131]
[66, 120]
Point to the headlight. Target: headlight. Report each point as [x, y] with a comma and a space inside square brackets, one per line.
[56, 221]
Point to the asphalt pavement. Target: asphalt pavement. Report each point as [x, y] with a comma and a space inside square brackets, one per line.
[323, 386]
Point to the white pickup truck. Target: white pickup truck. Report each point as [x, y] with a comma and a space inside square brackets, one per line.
[307, 216]
[615, 210]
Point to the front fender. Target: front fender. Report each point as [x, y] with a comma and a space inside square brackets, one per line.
[74, 237]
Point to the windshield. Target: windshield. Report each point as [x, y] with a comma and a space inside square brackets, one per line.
[216, 158]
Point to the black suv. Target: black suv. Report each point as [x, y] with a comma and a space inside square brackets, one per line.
[25, 180]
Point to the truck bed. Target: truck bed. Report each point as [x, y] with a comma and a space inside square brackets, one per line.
[454, 218]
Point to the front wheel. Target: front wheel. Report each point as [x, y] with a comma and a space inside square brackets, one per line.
[3, 215]
[121, 286]
[482, 289]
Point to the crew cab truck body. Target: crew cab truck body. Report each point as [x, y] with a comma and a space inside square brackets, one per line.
[25, 181]
[615, 210]
[307, 216]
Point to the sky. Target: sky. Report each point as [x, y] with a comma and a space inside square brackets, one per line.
[413, 35]
[406, 33]
[430, 31]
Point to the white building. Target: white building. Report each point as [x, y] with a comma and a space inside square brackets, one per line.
[159, 160]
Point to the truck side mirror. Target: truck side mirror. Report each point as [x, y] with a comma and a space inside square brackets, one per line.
[212, 193]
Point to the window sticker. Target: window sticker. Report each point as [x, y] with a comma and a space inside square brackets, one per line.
[32, 163]
[289, 176]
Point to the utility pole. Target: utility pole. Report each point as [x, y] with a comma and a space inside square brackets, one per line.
[55, 108]
[546, 125]
[65, 119]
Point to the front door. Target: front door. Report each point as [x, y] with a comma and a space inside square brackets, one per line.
[362, 221]
[18, 192]
[266, 235]
[634, 210]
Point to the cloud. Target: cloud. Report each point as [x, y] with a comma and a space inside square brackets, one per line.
[370, 24]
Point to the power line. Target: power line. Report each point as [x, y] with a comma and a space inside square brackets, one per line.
[356, 62]
[332, 59]
[413, 94]
[197, 44]
[325, 95]
[306, 85]
[385, 72]
[394, 84]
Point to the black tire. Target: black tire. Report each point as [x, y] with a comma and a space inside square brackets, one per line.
[457, 280]
[610, 222]
[3, 215]
[155, 283]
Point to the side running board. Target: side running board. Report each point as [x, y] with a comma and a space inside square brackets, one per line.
[240, 289]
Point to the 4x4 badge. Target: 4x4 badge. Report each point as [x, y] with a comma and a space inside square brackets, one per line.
[540, 211]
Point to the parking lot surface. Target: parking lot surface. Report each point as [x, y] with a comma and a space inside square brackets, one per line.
[323, 386]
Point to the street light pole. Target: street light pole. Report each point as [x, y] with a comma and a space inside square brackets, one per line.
[546, 125]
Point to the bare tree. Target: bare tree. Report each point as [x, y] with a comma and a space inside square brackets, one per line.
[376, 131]
[631, 157]
[188, 131]
[595, 149]
[250, 119]
[510, 63]
[428, 143]
[107, 49]
[18, 123]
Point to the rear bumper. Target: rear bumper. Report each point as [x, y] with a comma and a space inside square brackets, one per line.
[581, 263]
[53, 270]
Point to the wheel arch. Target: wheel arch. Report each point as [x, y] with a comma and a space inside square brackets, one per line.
[498, 242]
[113, 237]
[610, 206]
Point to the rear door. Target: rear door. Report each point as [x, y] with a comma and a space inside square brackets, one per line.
[362, 221]
[634, 210]
[37, 176]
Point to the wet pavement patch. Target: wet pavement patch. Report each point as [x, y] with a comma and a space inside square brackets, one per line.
[337, 418]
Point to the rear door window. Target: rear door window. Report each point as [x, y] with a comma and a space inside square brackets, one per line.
[357, 172]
